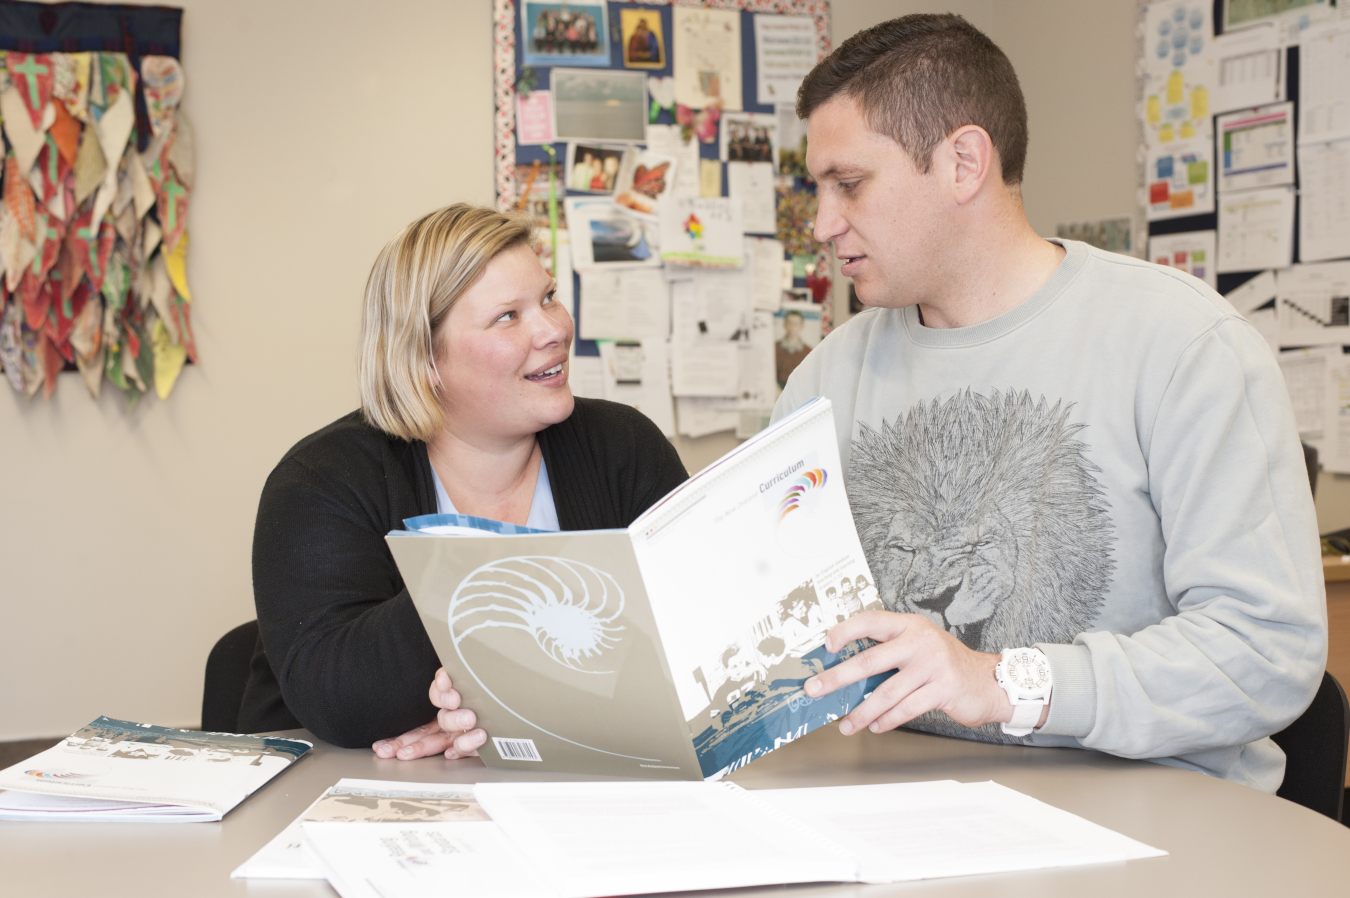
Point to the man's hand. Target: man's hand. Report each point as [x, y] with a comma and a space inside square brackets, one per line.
[934, 670]
[451, 732]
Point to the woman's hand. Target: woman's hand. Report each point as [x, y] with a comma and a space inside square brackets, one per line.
[452, 732]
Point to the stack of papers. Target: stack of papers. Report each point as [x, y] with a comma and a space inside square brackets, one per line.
[575, 840]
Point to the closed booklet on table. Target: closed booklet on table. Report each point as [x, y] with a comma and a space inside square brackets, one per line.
[674, 649]
[119, 770]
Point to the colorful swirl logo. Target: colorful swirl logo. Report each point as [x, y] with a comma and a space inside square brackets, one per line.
[58, 774]
[792, 499]
[795, 531]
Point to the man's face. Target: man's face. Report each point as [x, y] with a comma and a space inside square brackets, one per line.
[886, 220]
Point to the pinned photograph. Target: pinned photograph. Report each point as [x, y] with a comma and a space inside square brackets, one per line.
[532, 192]
[590, 105]
[796, 331]
[607, 236]
[593, 168]
[644, 44]
[749, 137]
[565, 33]
[644, 178]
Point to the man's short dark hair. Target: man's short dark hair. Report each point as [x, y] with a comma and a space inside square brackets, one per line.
[918, 78]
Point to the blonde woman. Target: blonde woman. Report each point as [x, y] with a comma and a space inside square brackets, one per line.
[464, 407]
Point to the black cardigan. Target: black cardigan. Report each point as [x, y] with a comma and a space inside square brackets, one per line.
[342, 651]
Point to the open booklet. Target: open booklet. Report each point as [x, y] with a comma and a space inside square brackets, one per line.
[119, 770]
[674, 649]
[576, 840]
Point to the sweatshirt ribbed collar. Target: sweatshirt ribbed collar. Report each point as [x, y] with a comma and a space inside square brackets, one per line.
[1076, 256]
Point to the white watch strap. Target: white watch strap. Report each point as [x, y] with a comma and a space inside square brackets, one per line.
[1026, 715]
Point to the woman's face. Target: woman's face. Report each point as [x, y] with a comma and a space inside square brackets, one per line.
[502, 353]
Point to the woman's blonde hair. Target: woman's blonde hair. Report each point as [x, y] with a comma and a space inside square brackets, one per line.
[415, 281]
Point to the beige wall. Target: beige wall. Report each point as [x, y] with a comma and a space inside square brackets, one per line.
[124, 537]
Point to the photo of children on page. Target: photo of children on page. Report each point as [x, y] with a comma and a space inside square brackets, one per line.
[754, 685]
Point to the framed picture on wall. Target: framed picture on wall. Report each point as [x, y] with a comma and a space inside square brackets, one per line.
[599, 105]
[644, 41]
[575, 34]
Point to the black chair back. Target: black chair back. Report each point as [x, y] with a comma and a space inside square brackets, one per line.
[227, 669]
[1315, 748]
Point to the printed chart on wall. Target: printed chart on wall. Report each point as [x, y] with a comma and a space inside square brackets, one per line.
[1244, 142]
[657, 147]
[1178, 75]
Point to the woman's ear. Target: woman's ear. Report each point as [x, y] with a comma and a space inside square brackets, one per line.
[434, 378]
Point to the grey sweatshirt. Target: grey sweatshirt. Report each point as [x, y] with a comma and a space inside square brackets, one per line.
[1109, 471]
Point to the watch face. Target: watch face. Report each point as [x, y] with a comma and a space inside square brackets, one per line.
[1028, 671]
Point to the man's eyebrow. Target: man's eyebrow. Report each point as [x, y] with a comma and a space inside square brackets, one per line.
[835, 171]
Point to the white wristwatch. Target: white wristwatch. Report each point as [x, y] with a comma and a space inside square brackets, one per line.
[1025, 675]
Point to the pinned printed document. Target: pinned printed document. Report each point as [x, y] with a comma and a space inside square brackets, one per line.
[707, 57]
[1192, 252]
[1256, 148]
[1256, 229]
[702, 233]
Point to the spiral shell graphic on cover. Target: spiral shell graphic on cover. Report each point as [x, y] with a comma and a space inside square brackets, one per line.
[567, 606]
[570, 609]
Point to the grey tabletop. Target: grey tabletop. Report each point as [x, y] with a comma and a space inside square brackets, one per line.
[1222, 838]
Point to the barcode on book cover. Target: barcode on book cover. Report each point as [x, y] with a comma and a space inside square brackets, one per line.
[516, 749]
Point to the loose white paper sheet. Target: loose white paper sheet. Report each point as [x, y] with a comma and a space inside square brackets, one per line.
[1191, 252]
[1250, 68]
[1314, 304]
[624, 304]
[1306, 377]
[710, 316]
[699, 417]
[758, 389]
[467, 860]
[1334, 452]
[1256, 148]
[1256, 229]
[785, 53]
[707, 57]
[1324, 200]
[752, 183]
[1324, 83]
[637, 373]
[1254, 293]
[666, 141]
[764, 257]
[628, 838]
[910, 831]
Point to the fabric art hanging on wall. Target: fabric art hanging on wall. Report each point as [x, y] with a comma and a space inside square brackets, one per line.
[98, 172]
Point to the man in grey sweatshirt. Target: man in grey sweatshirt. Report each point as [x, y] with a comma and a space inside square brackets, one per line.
[1077, 456]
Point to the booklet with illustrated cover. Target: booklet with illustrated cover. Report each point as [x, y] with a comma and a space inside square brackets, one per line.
[674, 649]
[119, 770]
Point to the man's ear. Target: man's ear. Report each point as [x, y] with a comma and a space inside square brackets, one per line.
[973, 159]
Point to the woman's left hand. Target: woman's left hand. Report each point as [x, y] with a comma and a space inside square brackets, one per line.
[452, 732]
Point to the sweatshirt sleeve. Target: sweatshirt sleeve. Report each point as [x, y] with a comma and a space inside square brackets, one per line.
[1243, 652]
[342, 635]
